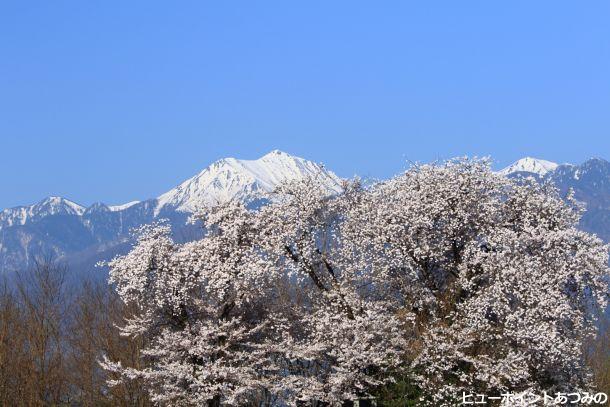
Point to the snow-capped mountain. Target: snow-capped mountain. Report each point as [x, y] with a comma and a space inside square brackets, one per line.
[530, 165]
[59, 227]
[62, 228]
[246, 180]
[52, 205]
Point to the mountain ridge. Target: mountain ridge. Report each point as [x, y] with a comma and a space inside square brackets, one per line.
[60, 227]
[64, 229]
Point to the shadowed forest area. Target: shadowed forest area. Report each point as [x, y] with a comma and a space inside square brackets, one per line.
[52, 336]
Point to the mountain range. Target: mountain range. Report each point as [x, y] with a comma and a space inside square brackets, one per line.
[60, 228]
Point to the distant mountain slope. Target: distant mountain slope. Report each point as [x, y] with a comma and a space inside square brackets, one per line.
[590, 182]
[61, 228]
[61, 231]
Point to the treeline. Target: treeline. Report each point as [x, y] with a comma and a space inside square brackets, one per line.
[52, 336]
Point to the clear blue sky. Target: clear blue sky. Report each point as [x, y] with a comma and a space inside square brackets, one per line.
[119, 100]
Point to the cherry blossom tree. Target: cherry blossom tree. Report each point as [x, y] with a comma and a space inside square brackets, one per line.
[348, 338]
[206, 308]
[261, 310]
[499, 278]
[468, 281]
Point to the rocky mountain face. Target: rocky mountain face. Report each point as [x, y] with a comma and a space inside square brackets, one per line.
[59, 228]
[590, 182]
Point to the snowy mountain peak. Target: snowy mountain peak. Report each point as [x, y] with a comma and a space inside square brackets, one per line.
[529, 164]
[246, 180]
[57, 205]
[274, 153]
[52, 205]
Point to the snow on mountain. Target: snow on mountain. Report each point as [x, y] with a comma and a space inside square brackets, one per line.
[529, 164]
[116, 208]
[52, 205]
[246, 180]
[67, 230]
[224, 180]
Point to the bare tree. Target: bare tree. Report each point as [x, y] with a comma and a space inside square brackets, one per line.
[598, 356]
[94, 332]
[13, 353]
[41, 294]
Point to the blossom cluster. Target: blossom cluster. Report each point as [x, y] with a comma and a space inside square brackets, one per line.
[465, 279]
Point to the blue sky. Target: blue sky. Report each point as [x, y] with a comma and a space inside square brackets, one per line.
[119, 100]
